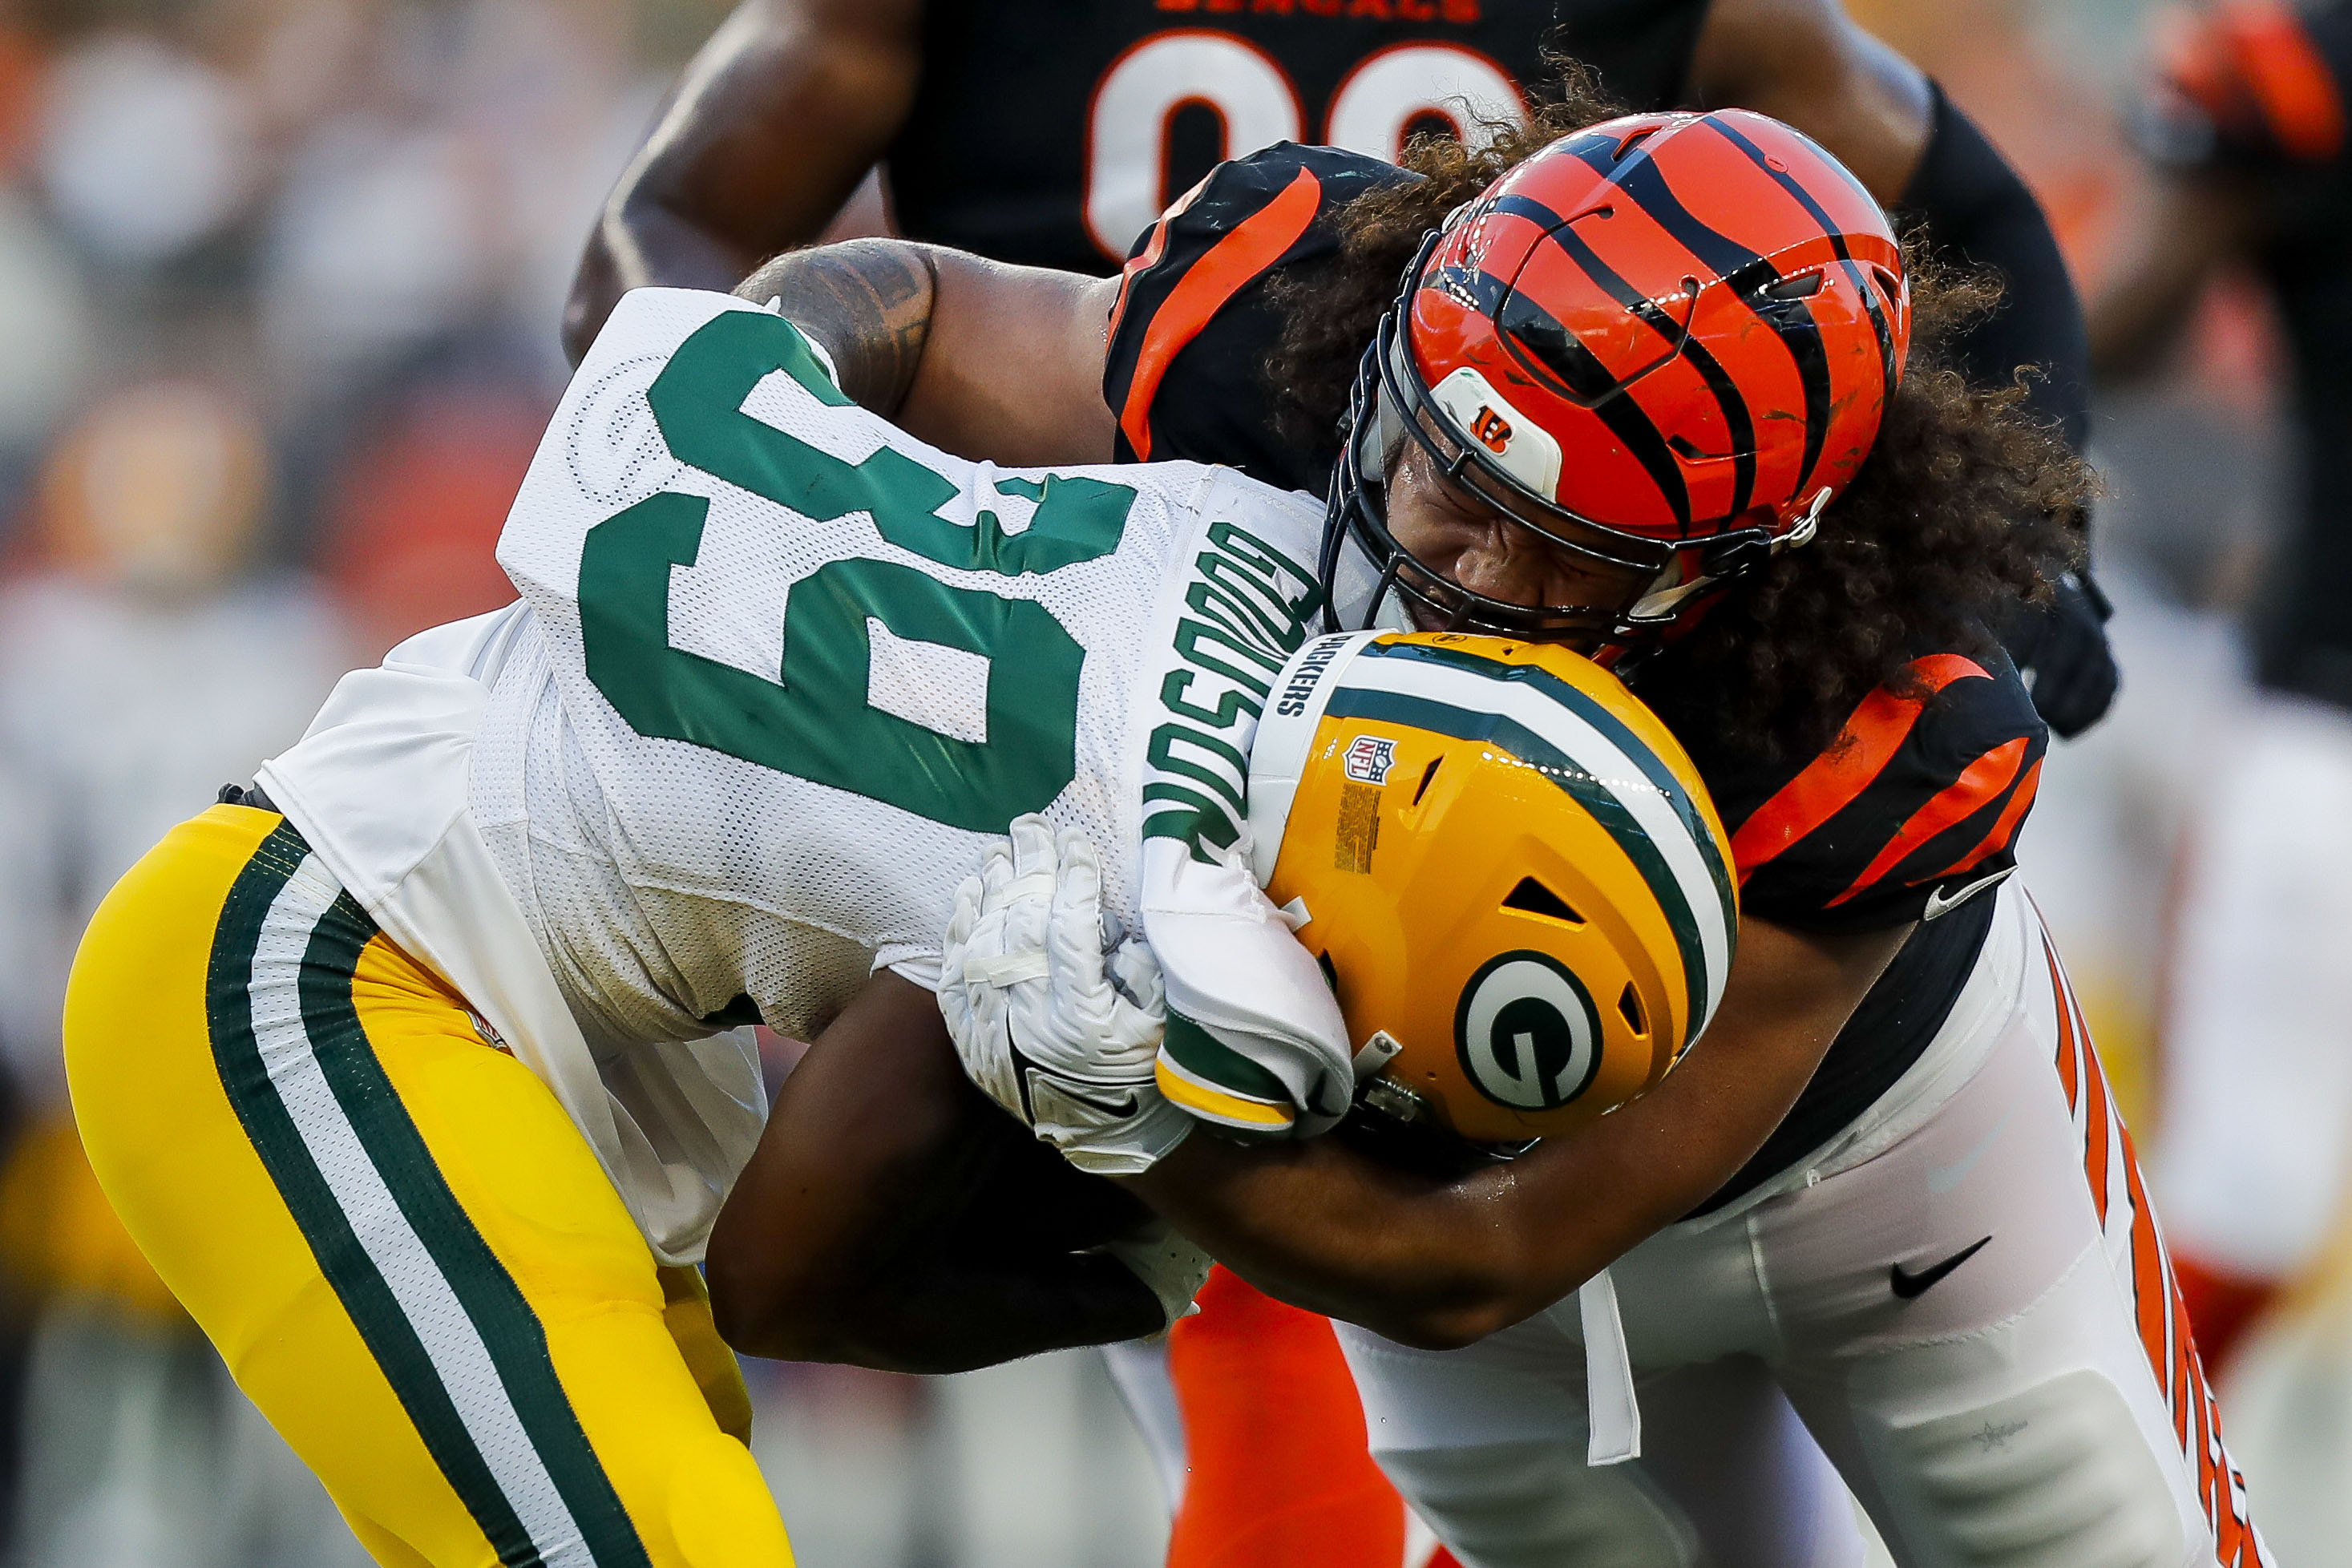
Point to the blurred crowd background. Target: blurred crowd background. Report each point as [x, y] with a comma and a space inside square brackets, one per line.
[279, 282]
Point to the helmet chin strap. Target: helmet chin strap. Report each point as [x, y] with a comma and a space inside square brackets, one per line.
[1807, 523]
[1664, 598]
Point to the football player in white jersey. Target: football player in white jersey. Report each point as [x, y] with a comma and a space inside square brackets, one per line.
[411, 1068]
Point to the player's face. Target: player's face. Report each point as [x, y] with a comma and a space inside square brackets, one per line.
[1462, 539]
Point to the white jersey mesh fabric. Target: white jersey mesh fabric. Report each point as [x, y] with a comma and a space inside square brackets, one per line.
[791, 669]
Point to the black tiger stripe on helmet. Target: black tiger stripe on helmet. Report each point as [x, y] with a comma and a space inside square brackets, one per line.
[1579, 348]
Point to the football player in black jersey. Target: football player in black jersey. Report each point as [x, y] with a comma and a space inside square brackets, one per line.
[1872, 750]
[1051, 133]
[2247, 130]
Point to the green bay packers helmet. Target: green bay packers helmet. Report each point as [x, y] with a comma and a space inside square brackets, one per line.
[1508, 871]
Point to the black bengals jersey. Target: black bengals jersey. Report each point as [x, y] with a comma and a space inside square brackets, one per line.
[1912, 811]
[1054, 132]
[2277, 119]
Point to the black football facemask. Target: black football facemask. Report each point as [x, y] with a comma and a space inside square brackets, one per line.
[1364, 569]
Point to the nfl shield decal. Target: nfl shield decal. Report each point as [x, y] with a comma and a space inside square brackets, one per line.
[1369, 758]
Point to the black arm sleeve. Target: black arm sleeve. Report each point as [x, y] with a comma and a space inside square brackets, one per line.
[1979, 213]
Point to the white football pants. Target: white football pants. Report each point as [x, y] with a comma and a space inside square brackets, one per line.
[1964, 1299]
[2257, 1066]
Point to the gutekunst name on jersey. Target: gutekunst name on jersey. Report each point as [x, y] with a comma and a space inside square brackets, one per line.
[1246, 613]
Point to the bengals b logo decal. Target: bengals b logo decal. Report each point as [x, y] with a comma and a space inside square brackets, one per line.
[1493, 429]
[1481, 416]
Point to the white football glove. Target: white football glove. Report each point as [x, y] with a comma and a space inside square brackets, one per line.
[1256, 1042]
[1049, 1030]
[1172, 1267]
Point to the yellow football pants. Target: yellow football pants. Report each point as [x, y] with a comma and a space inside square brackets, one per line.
[405, 1252]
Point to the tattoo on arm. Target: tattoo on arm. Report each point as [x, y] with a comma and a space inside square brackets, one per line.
[868, 301]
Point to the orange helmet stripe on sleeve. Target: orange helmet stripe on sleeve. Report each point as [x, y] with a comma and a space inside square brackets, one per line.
[1840, 774]
[1978, 785]
[1256, 244]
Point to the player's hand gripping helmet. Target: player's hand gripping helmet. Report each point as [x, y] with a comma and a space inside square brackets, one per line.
[1510, 870]
[1664, 342]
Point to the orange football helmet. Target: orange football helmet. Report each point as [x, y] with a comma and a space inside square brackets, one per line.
[1664, 342]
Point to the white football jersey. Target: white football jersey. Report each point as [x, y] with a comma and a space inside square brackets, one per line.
[786, 671]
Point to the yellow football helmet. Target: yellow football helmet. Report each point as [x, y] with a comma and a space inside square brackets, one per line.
[1508, 871]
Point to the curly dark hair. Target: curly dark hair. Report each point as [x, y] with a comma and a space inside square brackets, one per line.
[1965, 507]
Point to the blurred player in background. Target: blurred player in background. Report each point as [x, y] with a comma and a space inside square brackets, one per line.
[1054, 134]
[1121, 109]
[129, 678]
[2247, 129]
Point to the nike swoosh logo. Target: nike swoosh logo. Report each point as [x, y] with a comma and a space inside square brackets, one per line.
[1910, 1286]
[1122, 1102]
[1938, 904]
[1122, 1106]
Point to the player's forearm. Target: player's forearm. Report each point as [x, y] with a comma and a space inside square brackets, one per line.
[1321, 1226]
[1440, 1264]
[638, 244]
[954, 1315]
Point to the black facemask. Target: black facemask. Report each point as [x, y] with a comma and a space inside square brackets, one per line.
[1392, 400]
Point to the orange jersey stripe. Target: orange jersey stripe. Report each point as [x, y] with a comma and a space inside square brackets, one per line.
[2208, 1475]
[2004, 827]
[2067, 1078]
[1976, 788]
[2101, 1149]
[2176, 1326]
[2251, 1544]
[1831, 781]
[1149, 257]
[2148, 1271]
[1256, 244]
[2184, 1367]
[2070, 1065]
[2160, 1312]
[2289, 81]
[2077, 1066]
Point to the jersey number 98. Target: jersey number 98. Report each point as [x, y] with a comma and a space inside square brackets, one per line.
[1385, 95]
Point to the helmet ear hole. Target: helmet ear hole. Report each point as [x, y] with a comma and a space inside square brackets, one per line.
[1890, 288]
[1531, 897]
[1629, 1005]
